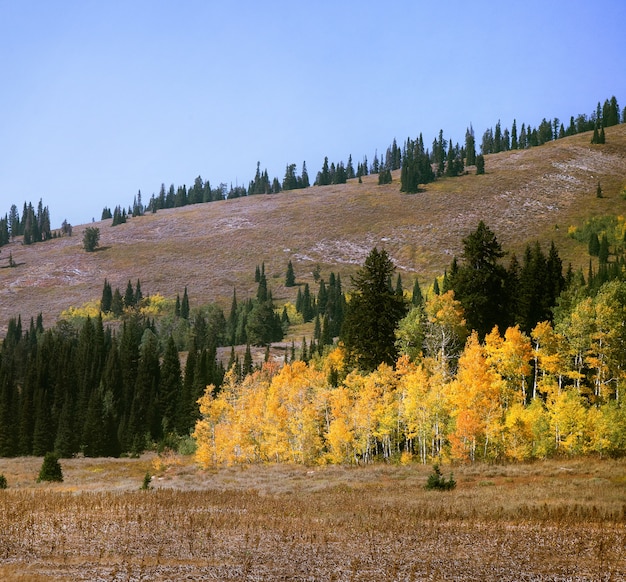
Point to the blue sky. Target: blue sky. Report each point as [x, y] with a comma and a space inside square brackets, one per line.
[102, 99]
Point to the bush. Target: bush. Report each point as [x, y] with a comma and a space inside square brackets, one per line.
[147, 478]
[91, 239]
[3, 481]
[438, 482]
[50, 469]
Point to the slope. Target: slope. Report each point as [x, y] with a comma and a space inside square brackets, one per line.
[213, 248]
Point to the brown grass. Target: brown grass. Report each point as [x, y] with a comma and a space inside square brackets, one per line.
[554, 520]
[213, 248]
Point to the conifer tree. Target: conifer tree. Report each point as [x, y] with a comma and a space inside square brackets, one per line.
[417, 298]
[50, 469]
[480, 164]
[372, 315]
[184, 305]
[170, 387]
[107, 298]
[480, 281]
[290, 277]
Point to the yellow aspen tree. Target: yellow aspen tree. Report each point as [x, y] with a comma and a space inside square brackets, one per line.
[212, 412]
[340, 435]
[476, 405]
[445, 331]
[438, 404]
[568, 417]
[275, 438]
[415, 414]
[365, 393]
[248, 426]
[527, 432]
[578, 329]
[550, 354]
[387, 411]
[298, 385]
[510, 357]
[518, 433]
[608, 340]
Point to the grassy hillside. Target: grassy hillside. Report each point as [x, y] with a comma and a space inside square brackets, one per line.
[213, 248]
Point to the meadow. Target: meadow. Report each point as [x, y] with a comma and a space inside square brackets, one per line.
[562, 519]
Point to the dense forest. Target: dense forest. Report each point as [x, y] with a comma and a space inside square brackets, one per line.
[442, 390]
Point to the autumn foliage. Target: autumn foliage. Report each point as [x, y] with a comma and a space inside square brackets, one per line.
[511, 397]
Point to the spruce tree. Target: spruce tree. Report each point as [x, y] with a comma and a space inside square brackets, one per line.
[479, 282]
[184, 305]
[417, 298]
[107, 298]
[480, 164]
[290, 277]
[368, 331]
[170, 387]
[50, 469]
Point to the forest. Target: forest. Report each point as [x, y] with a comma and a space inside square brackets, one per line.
[500, 358]
[490, 362]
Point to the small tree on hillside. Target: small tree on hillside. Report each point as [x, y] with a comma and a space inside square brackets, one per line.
[290, 277]
[91, 239]
[480, 164]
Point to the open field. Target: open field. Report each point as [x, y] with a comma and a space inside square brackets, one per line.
[554, 520]
[213, 248]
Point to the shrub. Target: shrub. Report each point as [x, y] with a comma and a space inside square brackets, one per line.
[437, 481]
[146, 482]
[91, 239]
[3, 481]
[50, 469]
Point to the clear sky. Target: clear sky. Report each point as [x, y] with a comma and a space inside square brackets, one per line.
[99, 100]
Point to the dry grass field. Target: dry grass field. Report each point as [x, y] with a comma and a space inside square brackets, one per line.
[560, 520]
[213, 248]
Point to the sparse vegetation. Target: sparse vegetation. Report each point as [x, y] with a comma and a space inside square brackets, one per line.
[542, 521]
[436, 481]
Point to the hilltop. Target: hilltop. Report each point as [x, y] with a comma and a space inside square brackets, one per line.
[214, 248]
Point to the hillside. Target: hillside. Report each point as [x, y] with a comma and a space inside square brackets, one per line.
[212, 248]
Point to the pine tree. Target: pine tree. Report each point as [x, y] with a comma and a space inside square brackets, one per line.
[368, 331]
[170, 387]
[417, 298]
[107, 298]
[479, 282]
[290, 277]
[184, 305]
[50, 469]
[480, 164]
[129, 296]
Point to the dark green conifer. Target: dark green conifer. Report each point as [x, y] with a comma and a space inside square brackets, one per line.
[290, 277]
[50, 469]
[184, 305]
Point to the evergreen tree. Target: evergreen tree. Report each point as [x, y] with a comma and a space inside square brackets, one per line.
[479, 282]
[480, 164]
[290, 277]
[184, 305]
[91, 239]
[170, 388]
[470, 147]
[50, 469]
[117, 303]
[368, 331]
[107, 298]
[129, 296]
[417, 298]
